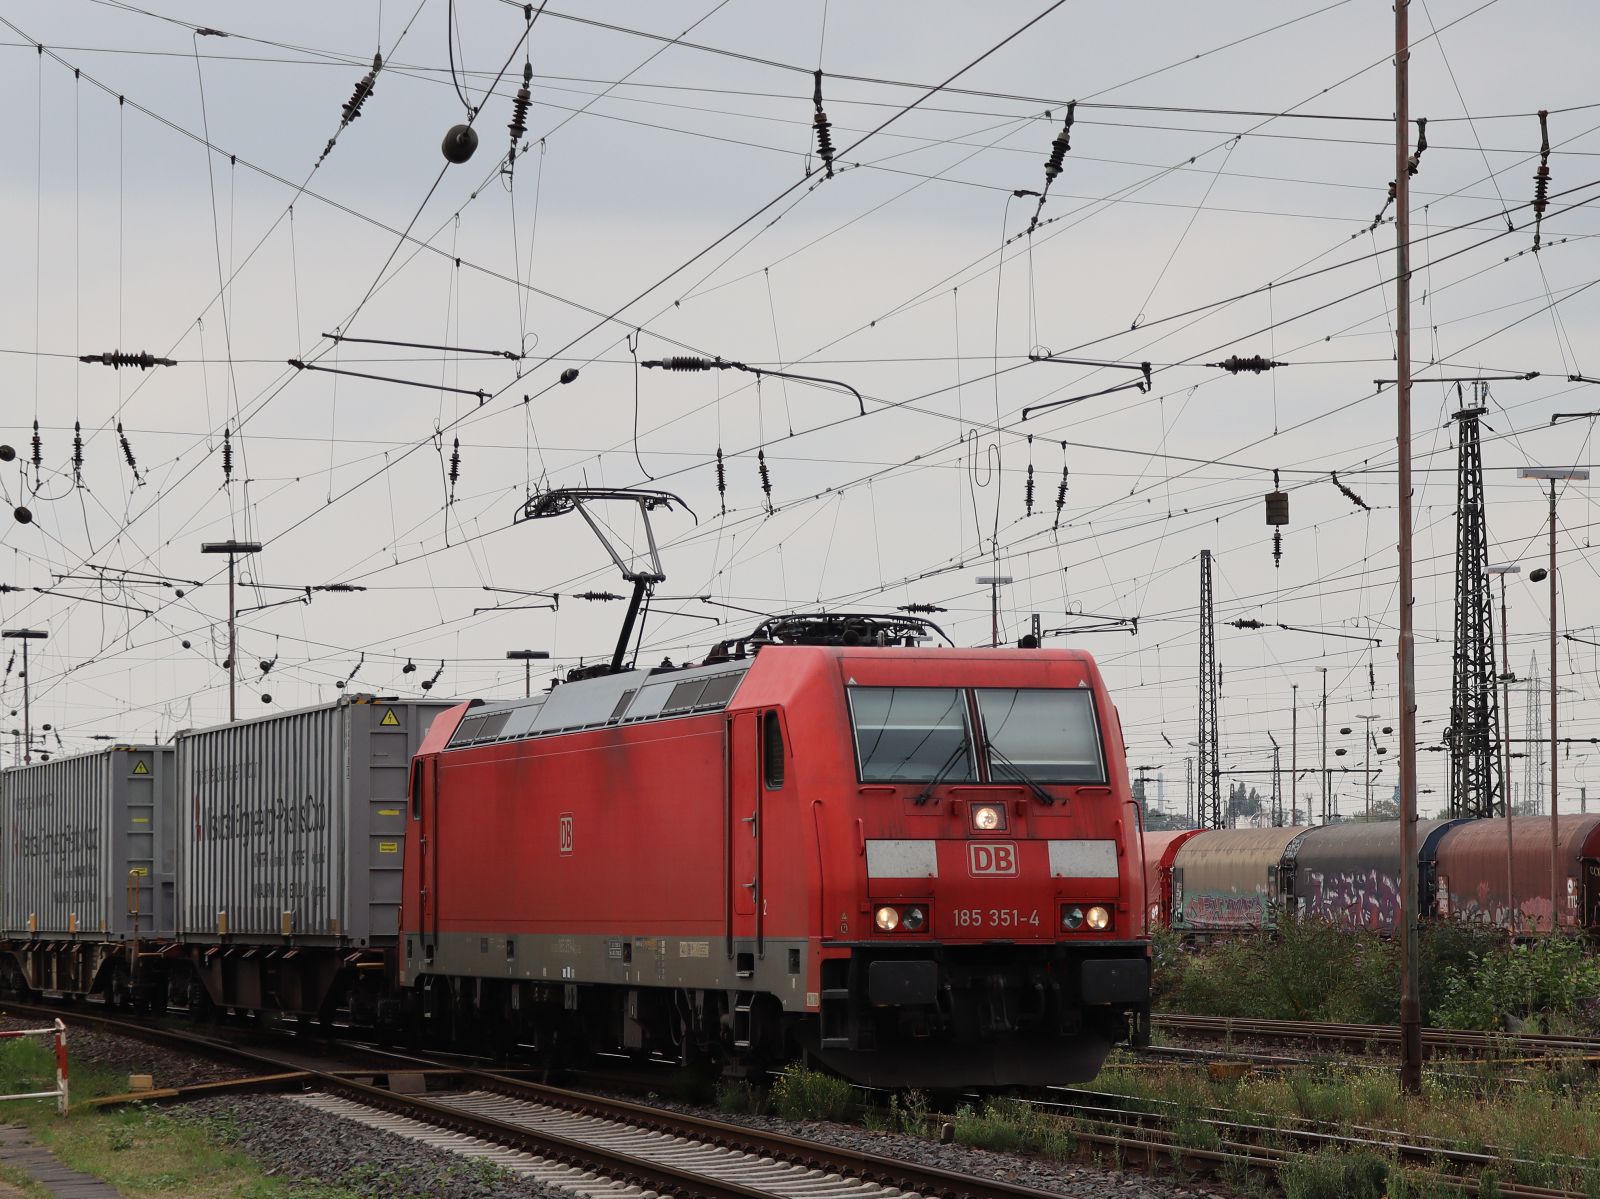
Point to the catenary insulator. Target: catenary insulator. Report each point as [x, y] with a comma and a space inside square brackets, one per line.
[1541, 177]
[117, 359]
[1061, 488]
[1059, 147]
[227, 457]
[598, 597]
[38, 449]
[77, 453]
[127, 451]
[684, 362]
[722, 482]
[455, 462]
[1277, 547]
[766, 478]
[1415, 161]
[519, 108]
[823, 128]
[352, 106]
[928, 609]
[1253, 364]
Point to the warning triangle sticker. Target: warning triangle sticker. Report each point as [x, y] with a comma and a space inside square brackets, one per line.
[390, 720]
[140, 767]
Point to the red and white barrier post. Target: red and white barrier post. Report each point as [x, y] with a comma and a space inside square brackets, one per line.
[61, 1094]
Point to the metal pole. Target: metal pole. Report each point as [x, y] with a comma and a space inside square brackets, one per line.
[1325, 779]
[1366, 765]
[1556, 896]
[1505, 756]
[1410, 1005]
[1294, 752]
[27, 725]
[527, 679]
[994, 615]
[232, 665]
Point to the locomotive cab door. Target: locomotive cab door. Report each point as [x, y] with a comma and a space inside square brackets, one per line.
[748, 778]
[425, 809]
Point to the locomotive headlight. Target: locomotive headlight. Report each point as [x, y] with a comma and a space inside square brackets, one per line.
[1098, 918]
[887, 919]
[1072, 918]
[988, 818]
[913, 920]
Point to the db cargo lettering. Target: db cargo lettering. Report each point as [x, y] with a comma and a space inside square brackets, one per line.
[248, 820]
[58, 844]
[225, 774]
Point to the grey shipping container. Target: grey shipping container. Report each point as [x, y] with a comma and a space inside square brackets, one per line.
[88, 843]
[292, 826]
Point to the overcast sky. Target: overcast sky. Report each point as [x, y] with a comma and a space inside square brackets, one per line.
[1213, 151]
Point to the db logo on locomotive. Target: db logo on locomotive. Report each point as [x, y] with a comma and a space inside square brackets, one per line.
[992, 857]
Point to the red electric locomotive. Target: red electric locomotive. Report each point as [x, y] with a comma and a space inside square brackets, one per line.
[920, 866]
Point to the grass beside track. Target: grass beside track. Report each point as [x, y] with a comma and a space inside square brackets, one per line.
[141, 1152]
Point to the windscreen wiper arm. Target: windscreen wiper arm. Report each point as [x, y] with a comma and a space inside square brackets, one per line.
[1044, 796]
[927, 792]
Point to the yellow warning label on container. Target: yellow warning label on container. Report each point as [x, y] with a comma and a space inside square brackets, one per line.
[141, 767]
[141, 820]
[388, 847]
[140, 871]
[390, 720]
[388, 811]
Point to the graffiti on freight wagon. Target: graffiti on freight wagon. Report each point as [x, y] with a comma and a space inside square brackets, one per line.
[252, 818]
[1223, 911]
[1364, 900]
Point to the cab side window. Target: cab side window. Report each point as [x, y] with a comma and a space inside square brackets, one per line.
[772, 751]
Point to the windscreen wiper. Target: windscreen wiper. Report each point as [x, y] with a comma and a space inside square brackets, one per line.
[927, 792]
[1044, 796]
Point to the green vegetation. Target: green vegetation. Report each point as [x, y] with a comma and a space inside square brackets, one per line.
[1544, 1129]
[801, 1094]
[1334, 1174]
[141, 1152]
[1471, 977]
[1007, 1126]
[1554, 979]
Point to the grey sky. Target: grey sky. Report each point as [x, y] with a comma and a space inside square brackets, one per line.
[885, 276]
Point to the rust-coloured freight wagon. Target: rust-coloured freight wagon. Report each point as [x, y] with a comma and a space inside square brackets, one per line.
[1349, 873]
[1160, 848]
[1472, 870]
[1227, 880]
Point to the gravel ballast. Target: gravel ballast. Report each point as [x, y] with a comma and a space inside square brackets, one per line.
[1063, 1178]
[293, 1141]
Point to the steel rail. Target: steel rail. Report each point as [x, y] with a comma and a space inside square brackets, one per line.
[1361, 1035]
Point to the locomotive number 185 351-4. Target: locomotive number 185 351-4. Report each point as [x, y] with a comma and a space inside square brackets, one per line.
[991, 918]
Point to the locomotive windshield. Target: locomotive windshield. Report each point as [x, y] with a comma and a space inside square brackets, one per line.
[1049, 734]
[911, 734]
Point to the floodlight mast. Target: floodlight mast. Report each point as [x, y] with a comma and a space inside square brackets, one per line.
[562, 500]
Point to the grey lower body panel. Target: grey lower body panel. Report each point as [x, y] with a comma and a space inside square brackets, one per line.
[777, 966]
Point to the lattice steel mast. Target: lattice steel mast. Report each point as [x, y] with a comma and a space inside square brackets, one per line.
[1209, 813]
[1477, 789]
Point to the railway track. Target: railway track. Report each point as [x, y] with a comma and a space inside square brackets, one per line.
[601, 1145]
[1279, 1140]
[1361, 1038]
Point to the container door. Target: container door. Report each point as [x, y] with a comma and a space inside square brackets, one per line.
[744, 824]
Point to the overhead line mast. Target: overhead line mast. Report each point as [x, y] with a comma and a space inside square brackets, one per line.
[1410, 1004]
[1208, 811]
[1477, 786]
